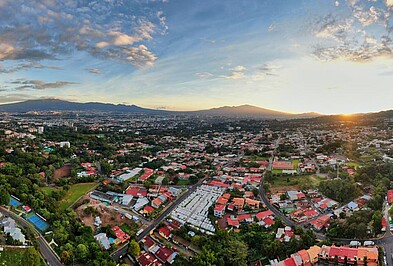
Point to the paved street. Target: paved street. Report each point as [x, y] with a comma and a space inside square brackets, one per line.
[123, 250]
[46, 251]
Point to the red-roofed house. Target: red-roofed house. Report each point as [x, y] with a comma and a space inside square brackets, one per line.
[233, 222]
[148, 173]
[148, 244]
[221, 200]
[121, 236]
[148, 209]
[261, 215]
[156, 203]
[166, 255]
[253, 203]
[268, 222]
[311, 214]
[289, 262]
[219, 210]
[349, 253]
[146, 259]
[165, 232]
[238, 202]
[245, 218]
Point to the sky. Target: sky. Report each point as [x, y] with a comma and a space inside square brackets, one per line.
[297, 56]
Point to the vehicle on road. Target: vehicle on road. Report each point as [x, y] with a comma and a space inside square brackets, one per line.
[355, 244]
[139, 232]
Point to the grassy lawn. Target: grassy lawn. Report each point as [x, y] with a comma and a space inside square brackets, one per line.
[72, 195]
[295, 164]
[276, 171]
[13, 257]
[183, 182]
[353, 165]
[131, 230]
[283, 181]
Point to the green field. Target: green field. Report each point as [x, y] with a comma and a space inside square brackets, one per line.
[183, 182]
[276, 171]
[310, 180]
[73, 194]
[15, 257]
[353, 165]
[295, 164]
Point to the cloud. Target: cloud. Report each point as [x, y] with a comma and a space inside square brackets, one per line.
[24, 66]
[24, 84]
[204, 75]
[239, 68]
[235, 75]
[53, 29]
[94, 71]
[337, 3]
[360, 37]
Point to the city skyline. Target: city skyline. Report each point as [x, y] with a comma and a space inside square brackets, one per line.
[293, 56]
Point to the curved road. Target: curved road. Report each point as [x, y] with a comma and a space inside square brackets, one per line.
[48, 253]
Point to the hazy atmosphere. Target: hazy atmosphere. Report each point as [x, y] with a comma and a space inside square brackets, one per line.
[296, 56]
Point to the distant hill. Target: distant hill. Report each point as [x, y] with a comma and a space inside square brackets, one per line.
[60, 105]
[253, 111]
[242, 111]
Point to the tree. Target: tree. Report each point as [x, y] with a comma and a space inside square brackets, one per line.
[4, 196]
[377, 222]
[134, 249]
[32, 257]
[82, 253]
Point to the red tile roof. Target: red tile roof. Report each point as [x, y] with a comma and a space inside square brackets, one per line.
[163, 253]
[261, 215]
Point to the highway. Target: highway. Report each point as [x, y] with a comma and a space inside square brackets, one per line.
[47, 252]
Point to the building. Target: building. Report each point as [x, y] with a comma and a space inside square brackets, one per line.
[98, 195]
[10, 227]
[103, 240]
[219, 210]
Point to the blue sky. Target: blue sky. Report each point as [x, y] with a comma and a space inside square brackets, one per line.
[291, 55]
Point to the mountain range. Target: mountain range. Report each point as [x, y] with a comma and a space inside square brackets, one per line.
[242, 111]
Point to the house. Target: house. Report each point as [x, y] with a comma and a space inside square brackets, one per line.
[10, 227]
[221, 200]
[219, 210]
[239, 203]
[245, 218]
[121, 236]
[103, 240]
[147, 259]
[148, 244]
[166, 255]
[262, 215]
[98, 195]
[305, 257]
[233, 222]
[321, 222]
[165, 232]
[156, 203]
[252, 203]
[148, 209]
[313, 253]
[140, 203]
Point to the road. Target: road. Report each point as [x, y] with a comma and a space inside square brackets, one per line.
[48, 253]
[123, 250]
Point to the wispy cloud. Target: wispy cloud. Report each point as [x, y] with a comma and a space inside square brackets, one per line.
[204, 75]
[24, 84]
[95, 71]
[25, 66]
